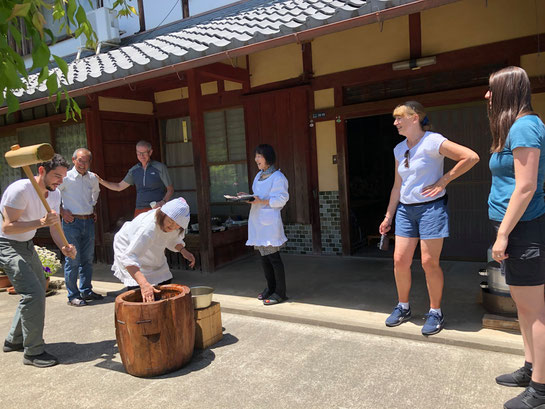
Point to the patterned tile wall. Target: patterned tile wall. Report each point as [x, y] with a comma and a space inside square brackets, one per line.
[300, 235]
[330, 222]
[299, 238]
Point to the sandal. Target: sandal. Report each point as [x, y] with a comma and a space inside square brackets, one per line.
[274, 299]
[264, 294]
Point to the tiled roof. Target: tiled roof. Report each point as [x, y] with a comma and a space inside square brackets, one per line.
[225, 29]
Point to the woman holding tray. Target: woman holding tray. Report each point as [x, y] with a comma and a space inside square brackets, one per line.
[265, 229]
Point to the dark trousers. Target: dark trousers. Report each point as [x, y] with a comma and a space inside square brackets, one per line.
[274, 273]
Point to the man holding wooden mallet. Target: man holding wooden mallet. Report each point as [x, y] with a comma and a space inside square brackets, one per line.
[23, 212]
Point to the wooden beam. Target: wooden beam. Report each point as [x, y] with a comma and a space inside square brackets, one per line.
[201, 171]
[415, 36]
[485, 54]
[220, 71]
[57, 118]
[308, 71]
[278, 86]
[456, 96]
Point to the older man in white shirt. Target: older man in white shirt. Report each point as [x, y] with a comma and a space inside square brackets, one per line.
[80, 190]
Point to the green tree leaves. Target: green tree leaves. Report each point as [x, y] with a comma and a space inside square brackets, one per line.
[20, 10]
[25, 22]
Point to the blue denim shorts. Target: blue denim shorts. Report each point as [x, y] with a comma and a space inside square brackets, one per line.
[426, 221]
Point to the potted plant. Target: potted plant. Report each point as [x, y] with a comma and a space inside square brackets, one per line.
[4, 280]
[50, 264]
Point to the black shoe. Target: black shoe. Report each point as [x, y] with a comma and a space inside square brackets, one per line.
[43, 360]
[92, 297]
[521, 377]
[529, 399]
[9, 347]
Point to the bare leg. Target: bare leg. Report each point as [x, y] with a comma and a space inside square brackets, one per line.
[530, 303]
[431, 251]
[403, 258]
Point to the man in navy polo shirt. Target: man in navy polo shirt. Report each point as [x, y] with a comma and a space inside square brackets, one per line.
[151, 179]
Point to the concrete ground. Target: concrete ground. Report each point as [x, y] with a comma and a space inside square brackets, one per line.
[346, 358]
[259, 363]
[349, 293]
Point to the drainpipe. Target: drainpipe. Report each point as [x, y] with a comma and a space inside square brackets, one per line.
[185, 8]
[141, 16]
[300, 37]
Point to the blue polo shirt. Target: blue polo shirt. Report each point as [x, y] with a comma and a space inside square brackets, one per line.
[150, 183]
[527, 132]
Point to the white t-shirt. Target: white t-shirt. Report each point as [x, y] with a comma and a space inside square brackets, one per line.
[425, 167]
[142, 243]
[21, 195]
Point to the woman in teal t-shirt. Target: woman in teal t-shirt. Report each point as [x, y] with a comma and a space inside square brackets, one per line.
[516, 207]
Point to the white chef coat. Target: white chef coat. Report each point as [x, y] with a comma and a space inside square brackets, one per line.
[265, 222]
[142, 243]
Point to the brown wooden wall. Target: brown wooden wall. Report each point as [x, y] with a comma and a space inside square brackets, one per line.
[120, 133]
[280, 119]
[470, 230]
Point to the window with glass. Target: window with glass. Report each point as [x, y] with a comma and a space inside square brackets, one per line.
[227, 162]
[178, 156]
[8, 174]
[66, 139]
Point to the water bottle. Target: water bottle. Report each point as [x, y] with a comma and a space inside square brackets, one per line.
[384, 243]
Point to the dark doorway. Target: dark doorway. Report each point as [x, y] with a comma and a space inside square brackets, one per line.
[370, 141]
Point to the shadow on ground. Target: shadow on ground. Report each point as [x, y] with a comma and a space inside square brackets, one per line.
[357, 283]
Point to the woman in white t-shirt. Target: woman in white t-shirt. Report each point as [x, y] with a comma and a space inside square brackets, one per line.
[419, 202]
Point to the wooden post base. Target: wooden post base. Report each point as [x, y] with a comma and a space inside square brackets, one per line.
[500, 322]
[208, 328]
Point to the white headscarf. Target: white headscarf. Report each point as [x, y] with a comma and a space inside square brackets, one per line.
[178, 210]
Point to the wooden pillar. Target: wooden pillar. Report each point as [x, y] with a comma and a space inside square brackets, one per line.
[344, 200]
[415, 36]
[308, 70]
[94, 144]
[342, 169]
[314, 186]
[201, 170]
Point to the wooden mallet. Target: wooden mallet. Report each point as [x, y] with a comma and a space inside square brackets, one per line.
[19, 157]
